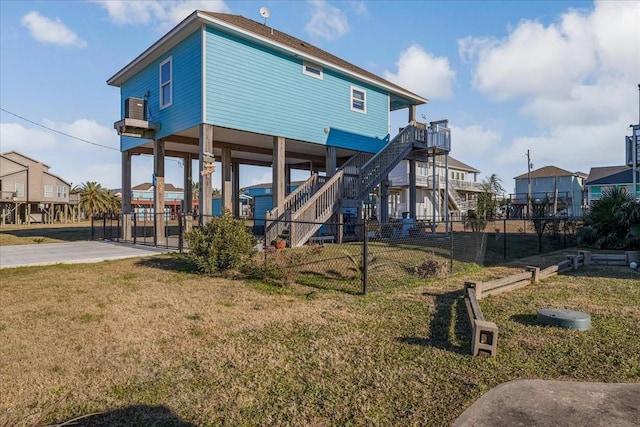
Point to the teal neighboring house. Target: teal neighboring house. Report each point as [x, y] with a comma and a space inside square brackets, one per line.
[225, 89]
[602, 178]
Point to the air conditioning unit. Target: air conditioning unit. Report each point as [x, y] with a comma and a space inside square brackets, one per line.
[135, 108]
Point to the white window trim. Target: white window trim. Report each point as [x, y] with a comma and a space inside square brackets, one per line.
[311, 65]
[364, 101]
[48, 194]
[170, 82]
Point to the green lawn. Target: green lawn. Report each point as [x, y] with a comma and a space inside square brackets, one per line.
[147, 341]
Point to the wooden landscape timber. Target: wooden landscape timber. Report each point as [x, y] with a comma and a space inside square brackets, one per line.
[484, 333]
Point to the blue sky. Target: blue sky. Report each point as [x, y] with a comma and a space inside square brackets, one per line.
[558, 78]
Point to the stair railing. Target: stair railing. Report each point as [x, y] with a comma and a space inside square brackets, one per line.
[379, 166]
[306, 221]
[276, 219]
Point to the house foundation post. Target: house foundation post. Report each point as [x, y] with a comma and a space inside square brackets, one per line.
[158, 193]
[227, 193]
[187, 202]
[205, 197]
[412, 189]
[235, 177]
[384, 201]
[278, 168]
[332, 161]
[126, 196]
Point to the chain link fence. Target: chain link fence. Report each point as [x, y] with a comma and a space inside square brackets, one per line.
[363, 256]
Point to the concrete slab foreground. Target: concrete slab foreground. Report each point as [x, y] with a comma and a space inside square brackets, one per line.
[555, 403]
[72, 253]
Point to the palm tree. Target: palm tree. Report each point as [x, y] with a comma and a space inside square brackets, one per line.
[94, 198]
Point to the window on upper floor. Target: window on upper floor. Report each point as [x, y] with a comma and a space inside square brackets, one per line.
[48, 190]
[358, 100]
[19, 187]
[312, 70]
[166, 82]
[58, 191]
[65, 191]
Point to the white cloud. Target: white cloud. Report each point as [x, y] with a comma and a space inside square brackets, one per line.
[575, 79]
[359, 8]
[574, 148]
[327, 22]
[88, 130]
[165, 13]
[534, 60]
[423, 73]
[16, 137]
[473, 141]
[51, 31]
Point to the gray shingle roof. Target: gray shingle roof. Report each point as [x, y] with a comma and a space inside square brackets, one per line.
[547, 171]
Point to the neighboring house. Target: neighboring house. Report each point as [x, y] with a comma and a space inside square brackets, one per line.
[601, 178]
[30, 193]
[564, 189]
[462, 183]
[224, 88]
[142, 200]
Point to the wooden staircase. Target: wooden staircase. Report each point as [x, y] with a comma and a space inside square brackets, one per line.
[319, 198]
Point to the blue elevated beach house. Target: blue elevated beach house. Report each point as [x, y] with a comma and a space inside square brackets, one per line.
[228, 89]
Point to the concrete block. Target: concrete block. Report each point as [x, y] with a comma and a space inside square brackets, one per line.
[485, 338]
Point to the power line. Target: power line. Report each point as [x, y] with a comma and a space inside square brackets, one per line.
[70, 136]
[57, 131]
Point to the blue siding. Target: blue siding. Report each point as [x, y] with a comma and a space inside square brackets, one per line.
[186, 109]
[258, 90]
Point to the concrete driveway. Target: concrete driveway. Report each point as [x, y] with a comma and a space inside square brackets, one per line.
[72, 253]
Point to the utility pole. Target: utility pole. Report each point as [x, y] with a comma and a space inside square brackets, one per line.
[529, 182]
[634, 153]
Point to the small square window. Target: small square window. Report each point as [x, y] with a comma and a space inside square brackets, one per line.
[358, 100]
[312, 70]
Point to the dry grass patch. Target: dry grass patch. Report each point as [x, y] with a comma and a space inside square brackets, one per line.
[145, 342]
[44, 233]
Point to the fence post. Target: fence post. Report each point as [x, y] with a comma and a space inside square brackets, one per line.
[92, 230]
[535, 273]
[181, 217]
[451, 251]
[365, 255]
[135, 229]
[504, 238]
[264, 250]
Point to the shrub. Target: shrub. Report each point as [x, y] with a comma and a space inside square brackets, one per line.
[221, 244]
